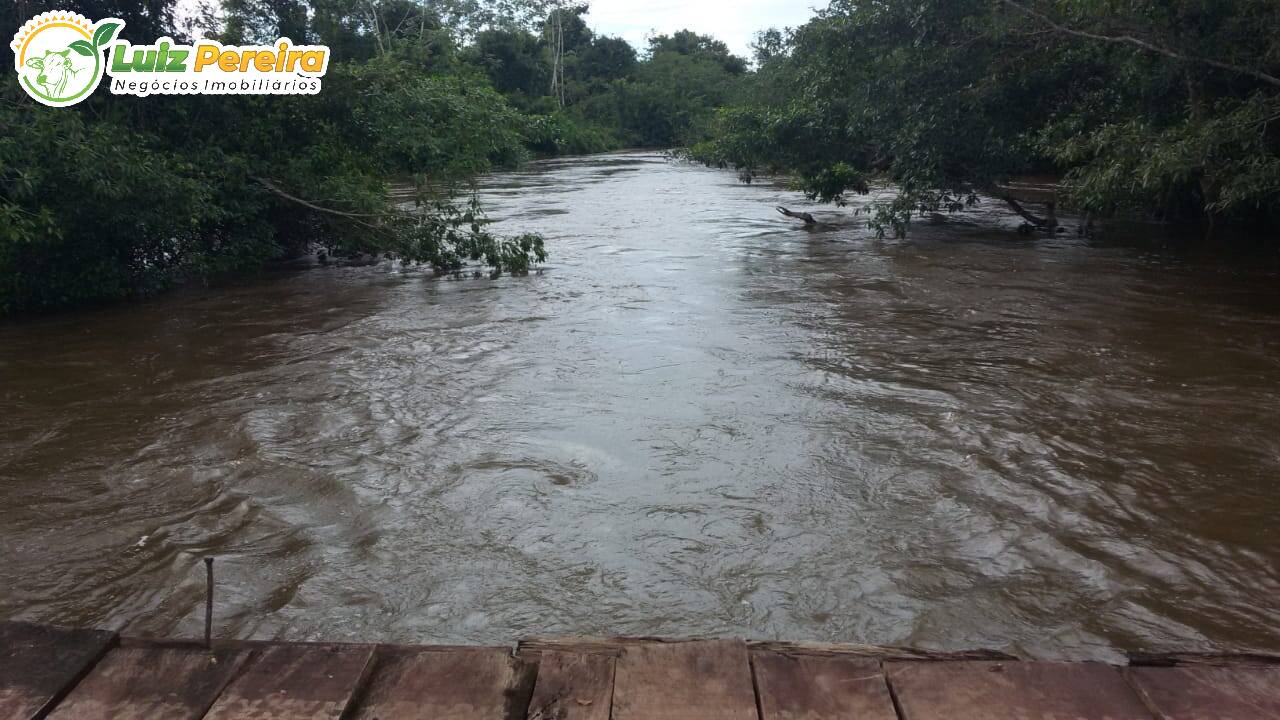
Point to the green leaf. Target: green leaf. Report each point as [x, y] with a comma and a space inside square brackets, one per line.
[105, 33]
[82, 47]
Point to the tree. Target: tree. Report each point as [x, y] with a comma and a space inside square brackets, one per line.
[769, 45]
[1158, 107]
[672, 98]
[262, 21]
[565, 33]
[144, 20]
[689, 43]
[118, 196]
[514, 60]
[607, 58]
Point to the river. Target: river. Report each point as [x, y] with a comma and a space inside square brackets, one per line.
[698, 419]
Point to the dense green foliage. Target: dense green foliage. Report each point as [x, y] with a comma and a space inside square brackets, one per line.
[120, 195]
[613, 98]
[1166, 107]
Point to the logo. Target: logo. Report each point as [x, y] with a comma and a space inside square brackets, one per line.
[211, 68]
[60, 56]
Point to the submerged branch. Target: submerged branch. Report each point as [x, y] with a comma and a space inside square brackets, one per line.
[1049, 222]
[806, 217]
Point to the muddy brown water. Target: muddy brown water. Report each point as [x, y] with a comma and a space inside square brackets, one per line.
[699, 419]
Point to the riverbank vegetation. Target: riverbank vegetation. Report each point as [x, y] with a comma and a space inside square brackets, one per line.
[1169, 109]
[122, 196]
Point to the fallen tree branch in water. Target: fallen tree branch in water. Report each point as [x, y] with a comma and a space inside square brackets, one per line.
[806, 217]
[1049, 222]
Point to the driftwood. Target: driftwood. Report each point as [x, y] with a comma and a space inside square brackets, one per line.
[806, 217]
[1048, 222]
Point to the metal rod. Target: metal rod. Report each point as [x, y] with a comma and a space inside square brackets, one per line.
[208, 602]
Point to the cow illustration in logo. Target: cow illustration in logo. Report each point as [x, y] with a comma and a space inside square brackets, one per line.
[56, 71]
[60, 56]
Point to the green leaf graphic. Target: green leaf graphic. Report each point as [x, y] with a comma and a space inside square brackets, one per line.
[82, 47]
[105, 33]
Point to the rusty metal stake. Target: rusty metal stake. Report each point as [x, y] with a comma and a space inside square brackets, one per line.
[208, 603]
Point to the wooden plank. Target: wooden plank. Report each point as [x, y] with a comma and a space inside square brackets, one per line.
[814, 688]
[1210, 693]
[427, 684]
[39, 664]
[151, 684]
[572, 686]
[1013, 691]
[295, 682]
[703, 680]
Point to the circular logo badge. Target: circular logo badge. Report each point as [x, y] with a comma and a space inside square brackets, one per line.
[60, 56]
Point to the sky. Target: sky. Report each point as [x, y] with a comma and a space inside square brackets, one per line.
[736, 22]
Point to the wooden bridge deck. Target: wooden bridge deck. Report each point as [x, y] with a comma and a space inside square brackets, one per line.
[91, 675]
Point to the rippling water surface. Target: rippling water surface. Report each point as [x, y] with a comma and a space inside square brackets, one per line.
[700, 419]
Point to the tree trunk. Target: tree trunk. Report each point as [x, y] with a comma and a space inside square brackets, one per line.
[557, 56]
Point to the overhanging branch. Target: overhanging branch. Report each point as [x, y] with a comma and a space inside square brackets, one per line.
[318, 208]
[358, 218]
[1144, 44]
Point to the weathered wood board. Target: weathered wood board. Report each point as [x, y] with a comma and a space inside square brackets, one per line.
[572, 686]
[39, 664]
[295, 682]
[702, 680]
[1210, 693]
[93, 675]
[1013, 691]
[459, 684]
[814, 688]
[151, 684]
